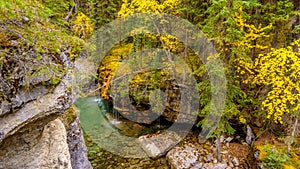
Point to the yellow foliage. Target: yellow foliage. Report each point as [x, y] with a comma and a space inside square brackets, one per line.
[262, 153]
[109, 65]
[242, 119]
[167, 6]
[82, 26]
[244, 42]
[251, 32]
[288, 167]
[280, 69]
[138, 6]
[169, 42]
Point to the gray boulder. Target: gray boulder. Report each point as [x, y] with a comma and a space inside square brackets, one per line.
[37, 147]
[156, 145]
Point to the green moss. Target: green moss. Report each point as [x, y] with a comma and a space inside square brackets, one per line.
[55, 80]
[54, 71]
[276, 156]
[69, 115]
[45, 30]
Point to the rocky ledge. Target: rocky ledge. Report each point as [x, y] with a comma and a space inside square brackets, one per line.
[34, 93]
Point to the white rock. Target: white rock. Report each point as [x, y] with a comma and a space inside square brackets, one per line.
[235, 162]
[182, 157]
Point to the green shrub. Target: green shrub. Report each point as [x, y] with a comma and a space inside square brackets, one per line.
[273, 158]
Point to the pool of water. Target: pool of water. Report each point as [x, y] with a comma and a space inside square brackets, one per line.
[97, 119]
[111, 140]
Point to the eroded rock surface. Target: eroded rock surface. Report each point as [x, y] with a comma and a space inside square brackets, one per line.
[48, 105]
[37, 147]
[156, 145]
[24, 78]
[34, 92]
[77, 147]
[188, 156]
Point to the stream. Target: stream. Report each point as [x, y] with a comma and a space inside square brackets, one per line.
[110, 139]
[97, 120]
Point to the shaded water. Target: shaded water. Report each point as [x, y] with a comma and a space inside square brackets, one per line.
[96, 119]
[92, 115]
[103, 132]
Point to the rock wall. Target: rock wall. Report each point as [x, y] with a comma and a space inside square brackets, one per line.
[77, 147]
[37, 147]
[33, 95]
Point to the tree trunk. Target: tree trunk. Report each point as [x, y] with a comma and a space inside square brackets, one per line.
[297, 22]
[218, 149]
[275, 37]
[290, 141]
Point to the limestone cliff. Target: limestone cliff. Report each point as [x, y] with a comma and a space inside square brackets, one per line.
[32, 136]
[36, 88]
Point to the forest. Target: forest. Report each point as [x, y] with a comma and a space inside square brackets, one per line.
[257, 42]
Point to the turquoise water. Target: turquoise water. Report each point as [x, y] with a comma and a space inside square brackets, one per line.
[117, 135]
[92, 115]
[98, 122]
[103, 137]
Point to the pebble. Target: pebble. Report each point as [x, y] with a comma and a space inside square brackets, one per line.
[260, 166]
[229, 157]
[197, 166]
[229, 139]
[256, 154]
[209, 158]
[25, 19]
[244, 143]
[230, 164]
[235, 162]
[215, 166]
[213, 150]
[224, 161]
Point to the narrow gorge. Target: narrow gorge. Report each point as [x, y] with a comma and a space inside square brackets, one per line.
[152, 84]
